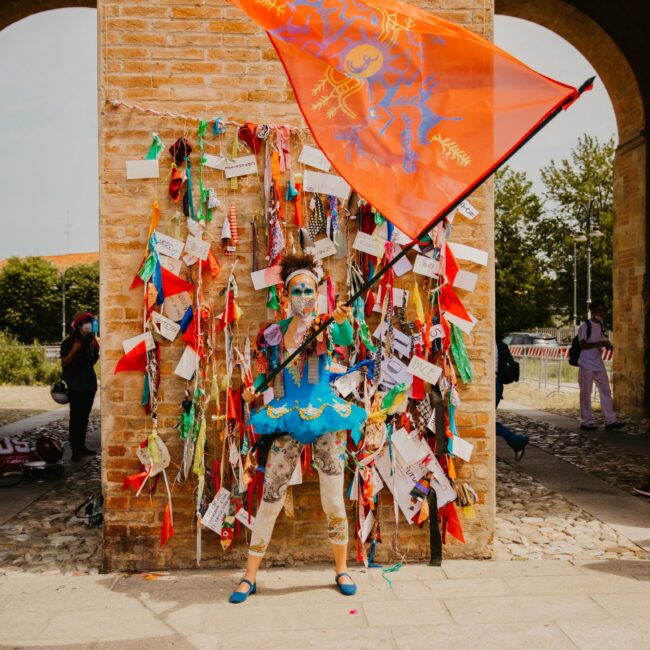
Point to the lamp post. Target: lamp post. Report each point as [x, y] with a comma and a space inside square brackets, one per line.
[585, 236]
[63, 289]
[575, 284]
[63, 304]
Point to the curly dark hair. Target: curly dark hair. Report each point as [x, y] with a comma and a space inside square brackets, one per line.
[295, 262]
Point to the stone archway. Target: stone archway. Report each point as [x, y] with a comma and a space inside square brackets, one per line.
[131, 532]
[631, 232]
[612, 40]
[14, 10]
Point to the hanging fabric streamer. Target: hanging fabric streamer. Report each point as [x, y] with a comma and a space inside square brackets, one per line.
[233, 154]
[219, 127]
[317, 222]
[230, 231]
[155, 149]
[461, 357]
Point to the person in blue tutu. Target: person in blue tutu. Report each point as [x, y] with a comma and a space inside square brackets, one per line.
[304, 410]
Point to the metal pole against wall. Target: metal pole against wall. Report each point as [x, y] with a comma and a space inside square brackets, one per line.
[588, 232]
[63, 304]
[575, 285]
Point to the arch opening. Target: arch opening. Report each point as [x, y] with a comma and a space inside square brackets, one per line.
[631, 233]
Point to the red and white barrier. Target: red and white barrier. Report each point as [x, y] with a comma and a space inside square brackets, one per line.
[547, 352]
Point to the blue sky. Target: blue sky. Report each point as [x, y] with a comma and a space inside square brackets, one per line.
[48, 122]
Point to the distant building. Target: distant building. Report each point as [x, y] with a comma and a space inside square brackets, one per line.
[63, 262]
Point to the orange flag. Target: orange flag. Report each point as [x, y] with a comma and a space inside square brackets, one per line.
[412, 110]
[450, 302]
[167, 529]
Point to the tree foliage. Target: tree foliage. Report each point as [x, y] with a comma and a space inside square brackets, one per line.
[24, 365]
[534, 237]
[574, 187]
[31, 297]
[82, 289]
[522, 290]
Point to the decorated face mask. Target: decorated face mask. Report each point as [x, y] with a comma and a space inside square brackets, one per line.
[302, 296]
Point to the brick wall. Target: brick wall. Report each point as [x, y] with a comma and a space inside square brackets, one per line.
[206, 59]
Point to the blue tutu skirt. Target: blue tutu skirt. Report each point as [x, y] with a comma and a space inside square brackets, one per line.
[308, 418]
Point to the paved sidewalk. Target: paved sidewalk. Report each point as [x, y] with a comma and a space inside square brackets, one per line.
[462, 605]
[27, 424]
[626, 514]
[613, 439]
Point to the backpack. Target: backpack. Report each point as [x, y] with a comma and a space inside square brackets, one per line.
[574, 350]
[508, 369]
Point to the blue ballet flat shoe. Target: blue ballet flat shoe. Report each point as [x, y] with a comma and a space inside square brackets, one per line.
[241, 596]
[346, 590]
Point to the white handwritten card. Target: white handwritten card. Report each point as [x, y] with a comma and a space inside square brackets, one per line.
[426, 266]
[313, 157]
[136, 169]
[394, 372]
[325, 184]
[370, 244]
[440, 484]
[217, 510]
[168, 245]
[129, 344]
[436, 332]
[403, 264]
[465, 280]
[242, 516]
[410, 446]
[324, 248]
[167, 327]
[267, 277]
[176, 305]
[467, 210]
[469, 253]
[241, 166]
[366, 529]
[197, 247]
[187, 364]
[169, 263]
[214, 162]
[421, 368]
[460, 448]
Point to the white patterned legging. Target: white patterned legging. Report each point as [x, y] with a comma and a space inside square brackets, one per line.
[328, 453]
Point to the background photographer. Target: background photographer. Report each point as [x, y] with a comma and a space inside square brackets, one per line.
[79, 353]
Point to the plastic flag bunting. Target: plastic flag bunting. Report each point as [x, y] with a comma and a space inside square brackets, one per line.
[396, 97]
[167, 529]
[134, 360]
[172, 284]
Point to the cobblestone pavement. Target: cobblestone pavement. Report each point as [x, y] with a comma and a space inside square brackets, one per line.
[46, 536]
[634, 426]
[623, 469]
[534, 523]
